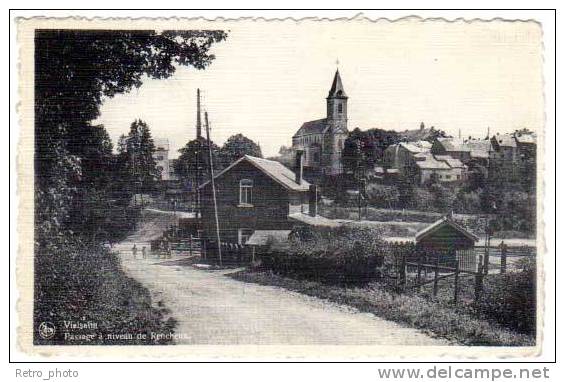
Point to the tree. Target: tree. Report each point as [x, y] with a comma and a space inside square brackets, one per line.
[139, 149]
[364, 149]
[237, 146]
[435, 134]
[354, 157]
[380, 141]
[74, 71]
[193, 157]
[477, 175]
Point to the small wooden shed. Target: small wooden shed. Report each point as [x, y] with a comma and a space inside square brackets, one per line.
[447, 238]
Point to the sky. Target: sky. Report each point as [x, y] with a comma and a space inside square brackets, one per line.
[271, 76]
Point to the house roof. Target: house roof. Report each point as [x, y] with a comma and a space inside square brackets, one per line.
[479, 148]
[453, 144]
[312, 127]
[525, 138]
[337, 87]
[261, 237]
[451, 162]
[441, 223]
[505, 140]
[275, 170]
[416, 147]
[429, 161]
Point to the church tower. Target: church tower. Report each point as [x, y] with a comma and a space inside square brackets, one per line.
[337, 104]
[336, 131]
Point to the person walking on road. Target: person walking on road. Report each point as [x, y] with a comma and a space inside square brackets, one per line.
[134, 251]
[144, 252]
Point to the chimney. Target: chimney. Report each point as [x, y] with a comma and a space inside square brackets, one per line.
[313, 200]
[298, 166]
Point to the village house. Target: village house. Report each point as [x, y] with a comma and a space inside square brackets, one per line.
[476, 150]
[453, 147]
[514, 157]
[400, 156]
[415, 160]
[442, 168]
[322, 140]
[161, 157]
[255, 198]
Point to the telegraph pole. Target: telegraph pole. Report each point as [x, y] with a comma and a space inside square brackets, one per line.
[211, 169]
[198, 154]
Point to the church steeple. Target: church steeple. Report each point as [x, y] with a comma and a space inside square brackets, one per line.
[337, 103]
[337, 91]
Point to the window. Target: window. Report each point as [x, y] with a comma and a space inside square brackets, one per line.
[246, 192]
[339, 108]
[243, 234]
[448, 177]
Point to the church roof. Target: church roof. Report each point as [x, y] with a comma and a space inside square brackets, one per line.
[337, 87]
[312, 127]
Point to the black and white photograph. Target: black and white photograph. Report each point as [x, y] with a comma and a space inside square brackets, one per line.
[346, 183]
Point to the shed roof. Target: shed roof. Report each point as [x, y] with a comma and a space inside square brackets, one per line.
[445, 221]
[261, 237]
[317, 221]
[275, 170]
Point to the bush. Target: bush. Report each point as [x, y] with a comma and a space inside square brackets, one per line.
[82, 282]
[510, 298]
[380, 195]
[516, 211]
[339, 256]
[468, 202]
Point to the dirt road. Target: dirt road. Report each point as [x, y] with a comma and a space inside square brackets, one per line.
[212, 308]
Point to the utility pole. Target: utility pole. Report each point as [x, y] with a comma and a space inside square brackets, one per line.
[359, 177]
[198, 154]
[211, 168]
[489, 206]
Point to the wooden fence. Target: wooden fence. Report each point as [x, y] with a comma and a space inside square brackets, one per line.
[430, 270]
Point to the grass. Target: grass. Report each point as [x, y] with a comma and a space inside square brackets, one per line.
[434, 318]
[88, 286]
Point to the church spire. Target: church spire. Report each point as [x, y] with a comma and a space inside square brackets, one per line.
[337, 90]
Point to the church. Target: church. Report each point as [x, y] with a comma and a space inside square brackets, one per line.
[322, 140]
